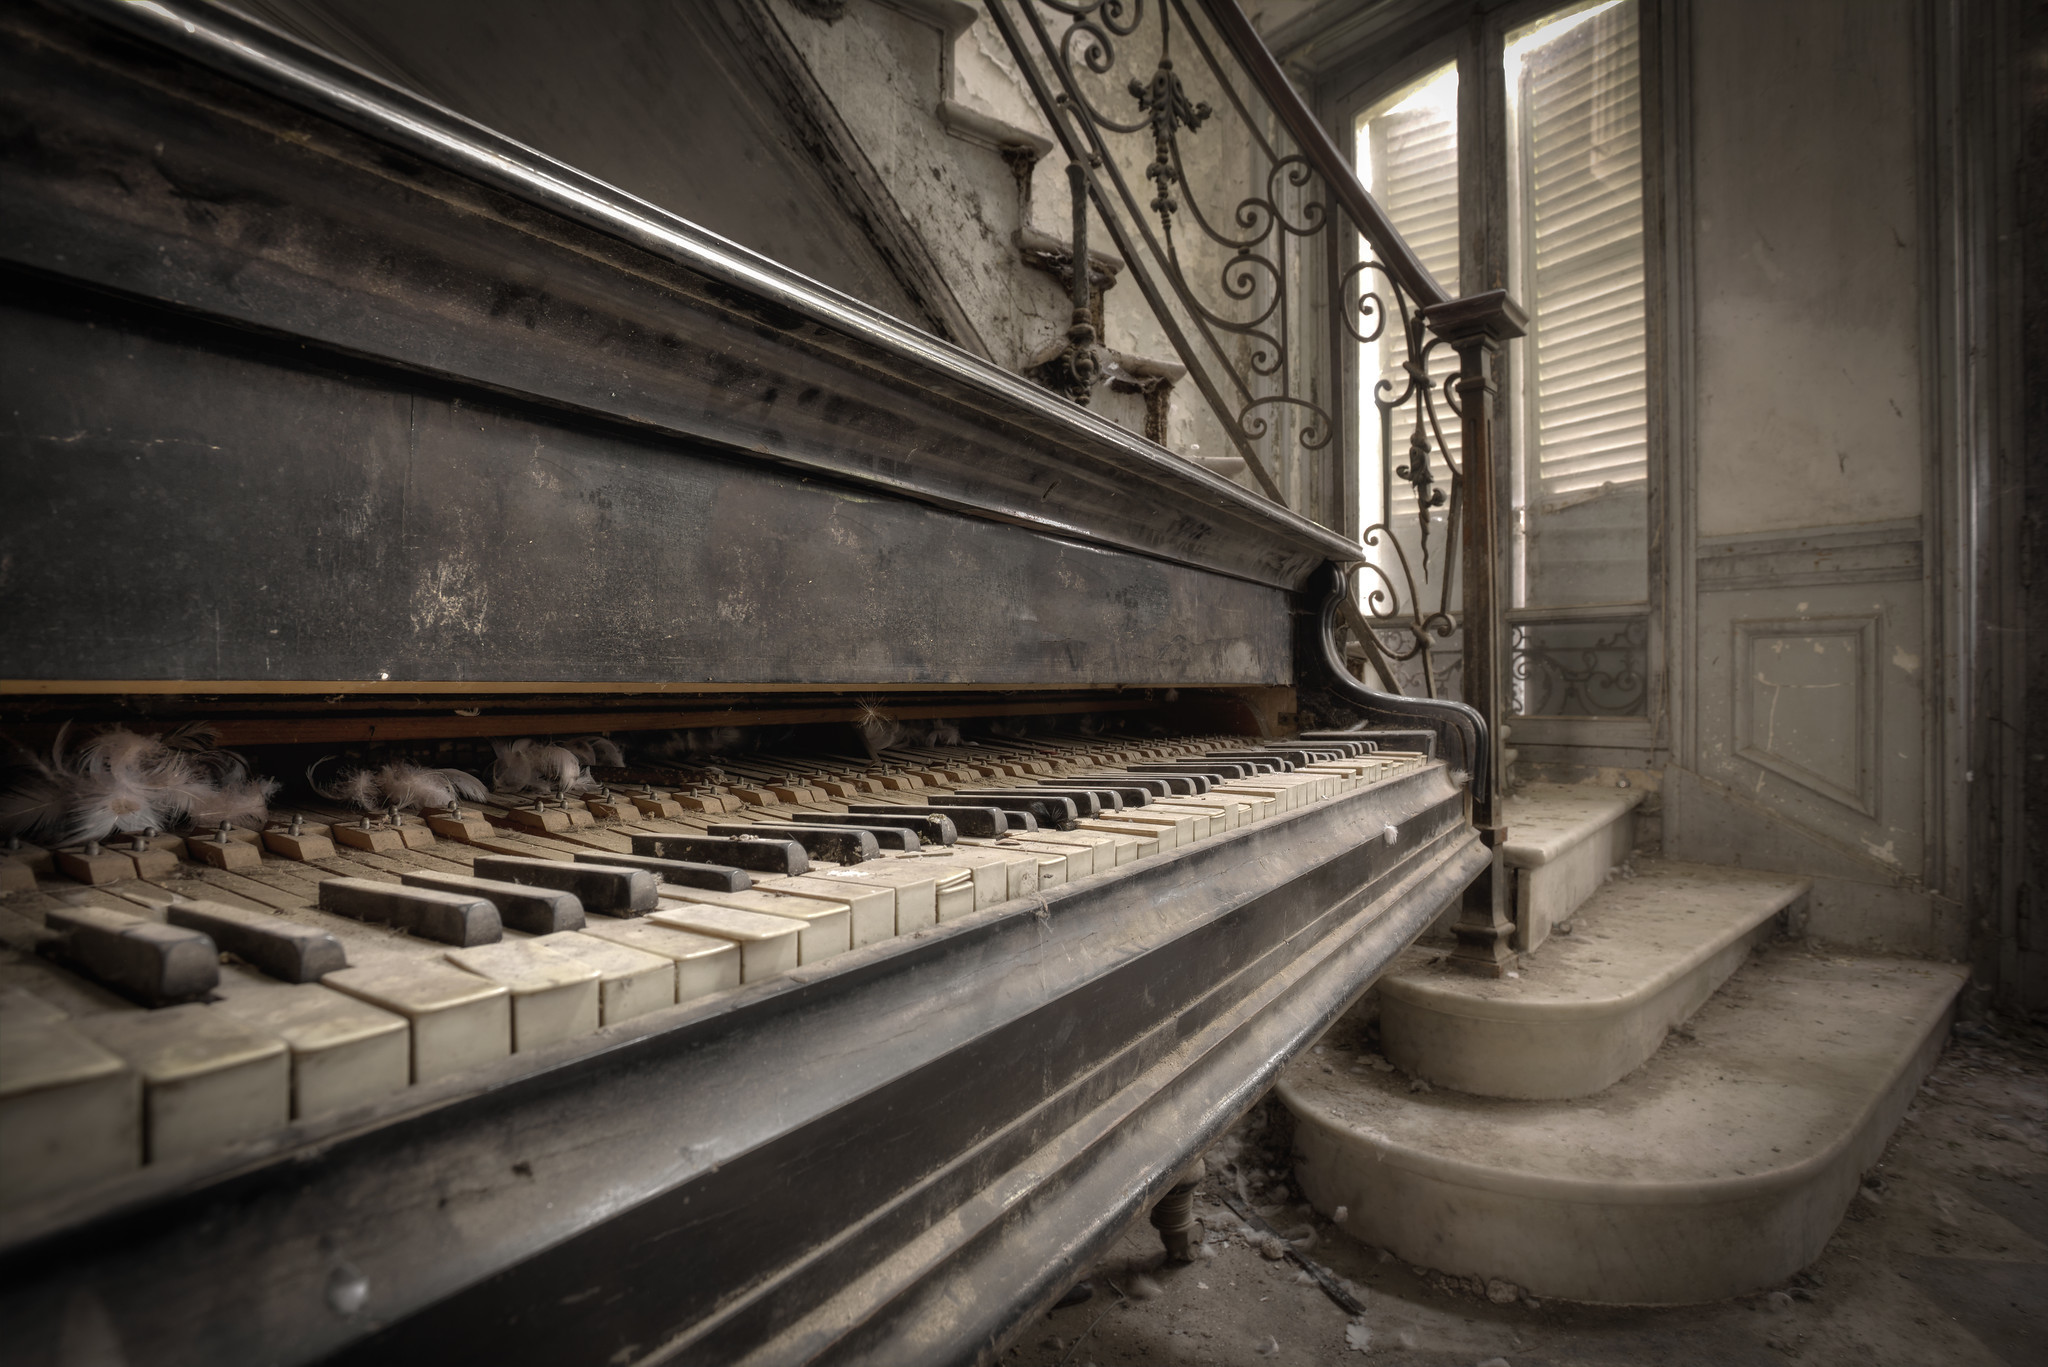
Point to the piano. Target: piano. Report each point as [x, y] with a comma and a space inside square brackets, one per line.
[966, 811]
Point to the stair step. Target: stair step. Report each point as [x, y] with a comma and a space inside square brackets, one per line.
[1645, 952]
[1721, 1166]
[1562, 840]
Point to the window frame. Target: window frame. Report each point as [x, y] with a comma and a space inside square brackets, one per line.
[1344, 90]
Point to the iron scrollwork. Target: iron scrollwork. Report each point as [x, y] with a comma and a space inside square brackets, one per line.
[1580, 668]
[1235, 261]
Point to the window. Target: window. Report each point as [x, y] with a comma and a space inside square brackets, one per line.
[1575, 176]
[1408, 157]
[1570, 174]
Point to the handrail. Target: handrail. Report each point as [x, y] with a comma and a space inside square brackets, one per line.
[1247, 258]
[1330, 163]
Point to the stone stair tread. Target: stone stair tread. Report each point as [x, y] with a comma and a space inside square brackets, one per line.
[1545, 820]
[1630, 939]
[1721, 1165]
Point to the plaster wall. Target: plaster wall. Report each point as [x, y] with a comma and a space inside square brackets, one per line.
[1807, 264]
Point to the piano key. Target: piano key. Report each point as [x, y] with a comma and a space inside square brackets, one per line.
[1144, 841]
[153, 964]
[554, 996]
[767, 944]
[449, 918]
[152, 856]
[985, 822]
[1051, 812]
[208, 1079]
[631, 982]
[299, 840]
[931, 828]
[1088, 802]
[531, 910]
[703, 964]
[607, 890]
[457, 824]
[899, 834]
[38, 859]
[1052, 861]
[366, 833]
[92, 863]
[756, 854]
[683, 872]
[911, 887]
[281, 949]
[961, 882]
[1087, 852]
[70, 1109]
[459, 1020]
[1000, 873]
[828, 925]
[344, 1051]
[834, 844]
[871, 906]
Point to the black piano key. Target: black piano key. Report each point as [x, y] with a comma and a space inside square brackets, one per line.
[1189, 783]
[1153, 786]
[755, 853]
[1087, 804]
[461, 919]
[1015, 823]
[1055, 812]
[612, 890]
[266, 942]
[1281, 761]
[835, 844]
[156, 965]
[537, 911]
[682, 872]
[930, 829]
[976, 823]
[1125, 792]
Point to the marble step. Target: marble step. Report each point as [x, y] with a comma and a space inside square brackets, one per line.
[1721, 1166]
[1644, 952]
[1562, 840]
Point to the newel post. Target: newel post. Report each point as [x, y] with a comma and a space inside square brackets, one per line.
[1476, 327]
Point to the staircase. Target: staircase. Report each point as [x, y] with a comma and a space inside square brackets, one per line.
[1670, 1101]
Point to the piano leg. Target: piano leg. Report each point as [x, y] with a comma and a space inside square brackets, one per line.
[1173, 1215]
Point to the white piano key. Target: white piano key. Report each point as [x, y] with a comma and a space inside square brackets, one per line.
[1143, 841]
[630, 982]
[767, 944]
[344, 1052]
[872, 903]
[458, 1019]
[70, 1109]
[554, 996]
[828, 926]
[703, 963]
[915, 879]
[208, 1079]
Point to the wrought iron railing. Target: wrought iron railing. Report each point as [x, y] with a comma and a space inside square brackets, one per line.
[1268, 267]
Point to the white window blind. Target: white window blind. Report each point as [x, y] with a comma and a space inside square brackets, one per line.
[1408, 157]
[1576, 131]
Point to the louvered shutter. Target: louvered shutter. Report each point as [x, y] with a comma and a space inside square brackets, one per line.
[1410, 156]
[1585, 459]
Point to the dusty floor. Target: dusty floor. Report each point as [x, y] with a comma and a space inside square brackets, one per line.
[1942, 1260]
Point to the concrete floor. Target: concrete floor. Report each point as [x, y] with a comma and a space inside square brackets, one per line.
[1943, 1260]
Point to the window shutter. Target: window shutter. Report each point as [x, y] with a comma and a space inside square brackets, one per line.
[1583, 249]
[1412, 162]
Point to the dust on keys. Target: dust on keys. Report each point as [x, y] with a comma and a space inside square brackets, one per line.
[162, 998]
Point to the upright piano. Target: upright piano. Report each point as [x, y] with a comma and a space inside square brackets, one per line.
[345, 433]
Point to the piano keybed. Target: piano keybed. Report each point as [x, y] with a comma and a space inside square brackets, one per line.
[506, 927]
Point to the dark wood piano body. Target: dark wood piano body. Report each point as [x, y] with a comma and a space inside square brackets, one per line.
[333, 417]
